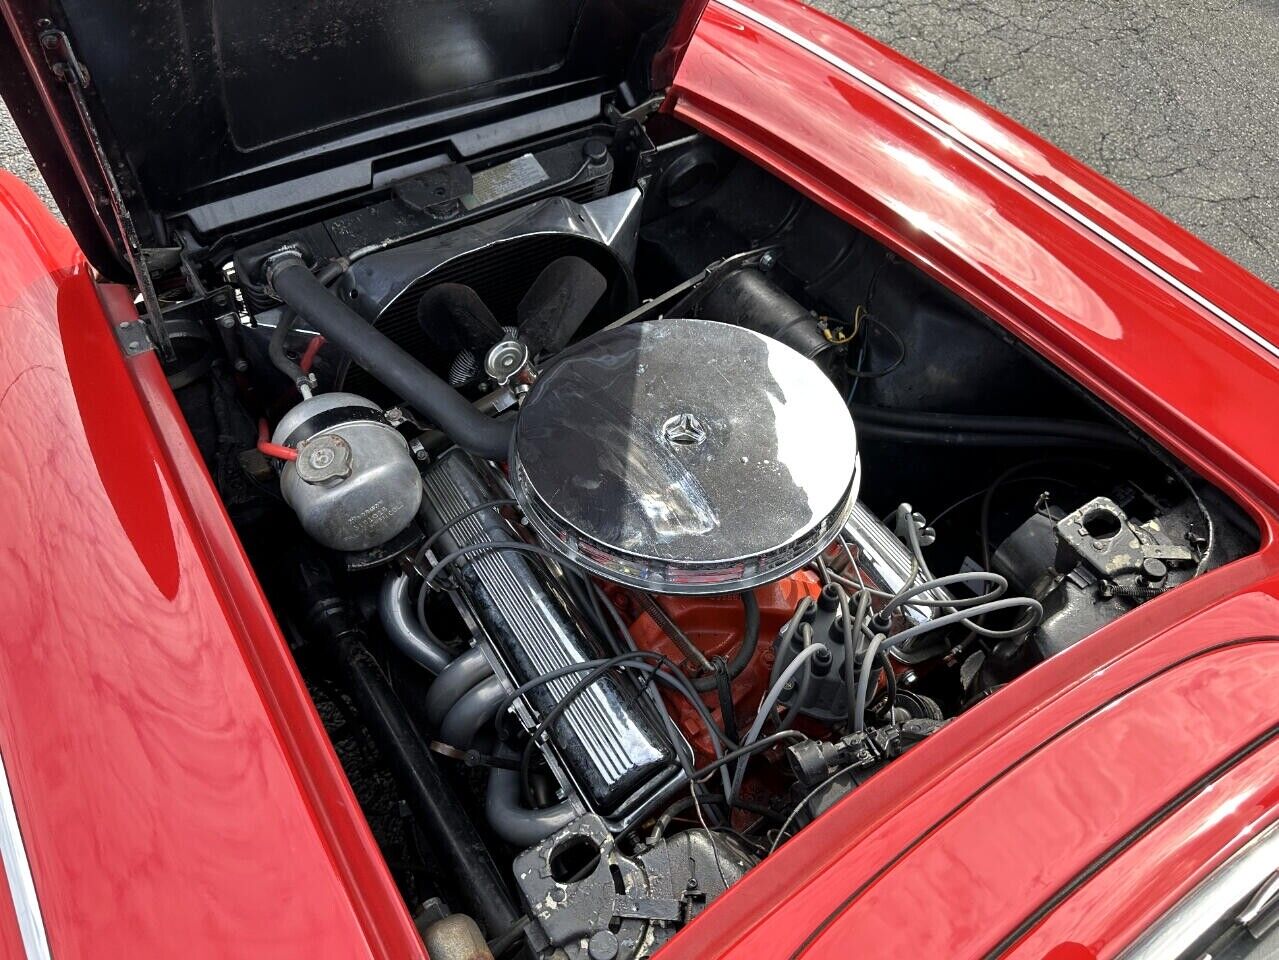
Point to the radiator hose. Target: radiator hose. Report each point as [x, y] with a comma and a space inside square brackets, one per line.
[292, 281]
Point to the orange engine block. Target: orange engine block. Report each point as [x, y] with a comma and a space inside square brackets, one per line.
[715, 625]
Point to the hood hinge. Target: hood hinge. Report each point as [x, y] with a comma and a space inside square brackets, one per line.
[68, 68]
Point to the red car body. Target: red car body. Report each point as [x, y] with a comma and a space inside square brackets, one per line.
[176, 793]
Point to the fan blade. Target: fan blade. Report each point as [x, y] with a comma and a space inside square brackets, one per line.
[560, 299]
[453, 317]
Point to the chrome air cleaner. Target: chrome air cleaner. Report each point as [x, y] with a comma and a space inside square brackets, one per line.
[685, 456]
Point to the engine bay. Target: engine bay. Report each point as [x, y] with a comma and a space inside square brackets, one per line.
[625, 510]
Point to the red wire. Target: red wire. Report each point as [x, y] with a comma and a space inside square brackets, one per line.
[265, 446]
[308, 355]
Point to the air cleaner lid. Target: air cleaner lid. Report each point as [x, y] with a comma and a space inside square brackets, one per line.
[685, 456]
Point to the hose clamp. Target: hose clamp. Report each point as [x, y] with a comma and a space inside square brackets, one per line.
[283, 257]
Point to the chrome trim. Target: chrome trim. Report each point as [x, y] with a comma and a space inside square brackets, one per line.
[17, 870]
[1210, 902]
[1003, 166]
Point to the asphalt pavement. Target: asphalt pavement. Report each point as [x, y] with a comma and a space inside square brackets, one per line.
[1175, 100]
[15, 159]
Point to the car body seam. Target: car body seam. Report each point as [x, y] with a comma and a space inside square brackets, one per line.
[1015, 765]
[1132, 837]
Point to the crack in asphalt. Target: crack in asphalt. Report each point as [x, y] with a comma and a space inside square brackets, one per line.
[1177, 101]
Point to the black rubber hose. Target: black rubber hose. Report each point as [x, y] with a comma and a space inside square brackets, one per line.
[962, 438]
[990, 431]
[891, 676]
[724, 690]
[440, 812]
[288, 317]
[742, 658]
[275, 347]
[747, 298]
[466, 426]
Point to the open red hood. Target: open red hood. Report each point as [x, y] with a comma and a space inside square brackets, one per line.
[235, 111]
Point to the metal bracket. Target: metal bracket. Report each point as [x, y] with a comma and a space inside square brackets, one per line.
[1122, 547]
[66, 66]
[61, 60]
[648, 908]
[676, 295]
[645, 109]
[133, 338]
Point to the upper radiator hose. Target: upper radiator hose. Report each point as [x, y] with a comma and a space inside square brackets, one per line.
[292, 281]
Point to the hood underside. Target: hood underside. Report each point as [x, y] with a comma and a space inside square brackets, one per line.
[201, 105]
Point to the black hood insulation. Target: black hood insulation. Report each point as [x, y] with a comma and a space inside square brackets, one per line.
[250, 101]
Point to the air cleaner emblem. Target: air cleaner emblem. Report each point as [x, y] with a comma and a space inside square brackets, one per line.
[684, 430]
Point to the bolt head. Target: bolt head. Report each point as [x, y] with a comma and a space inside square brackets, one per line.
[603, 945]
